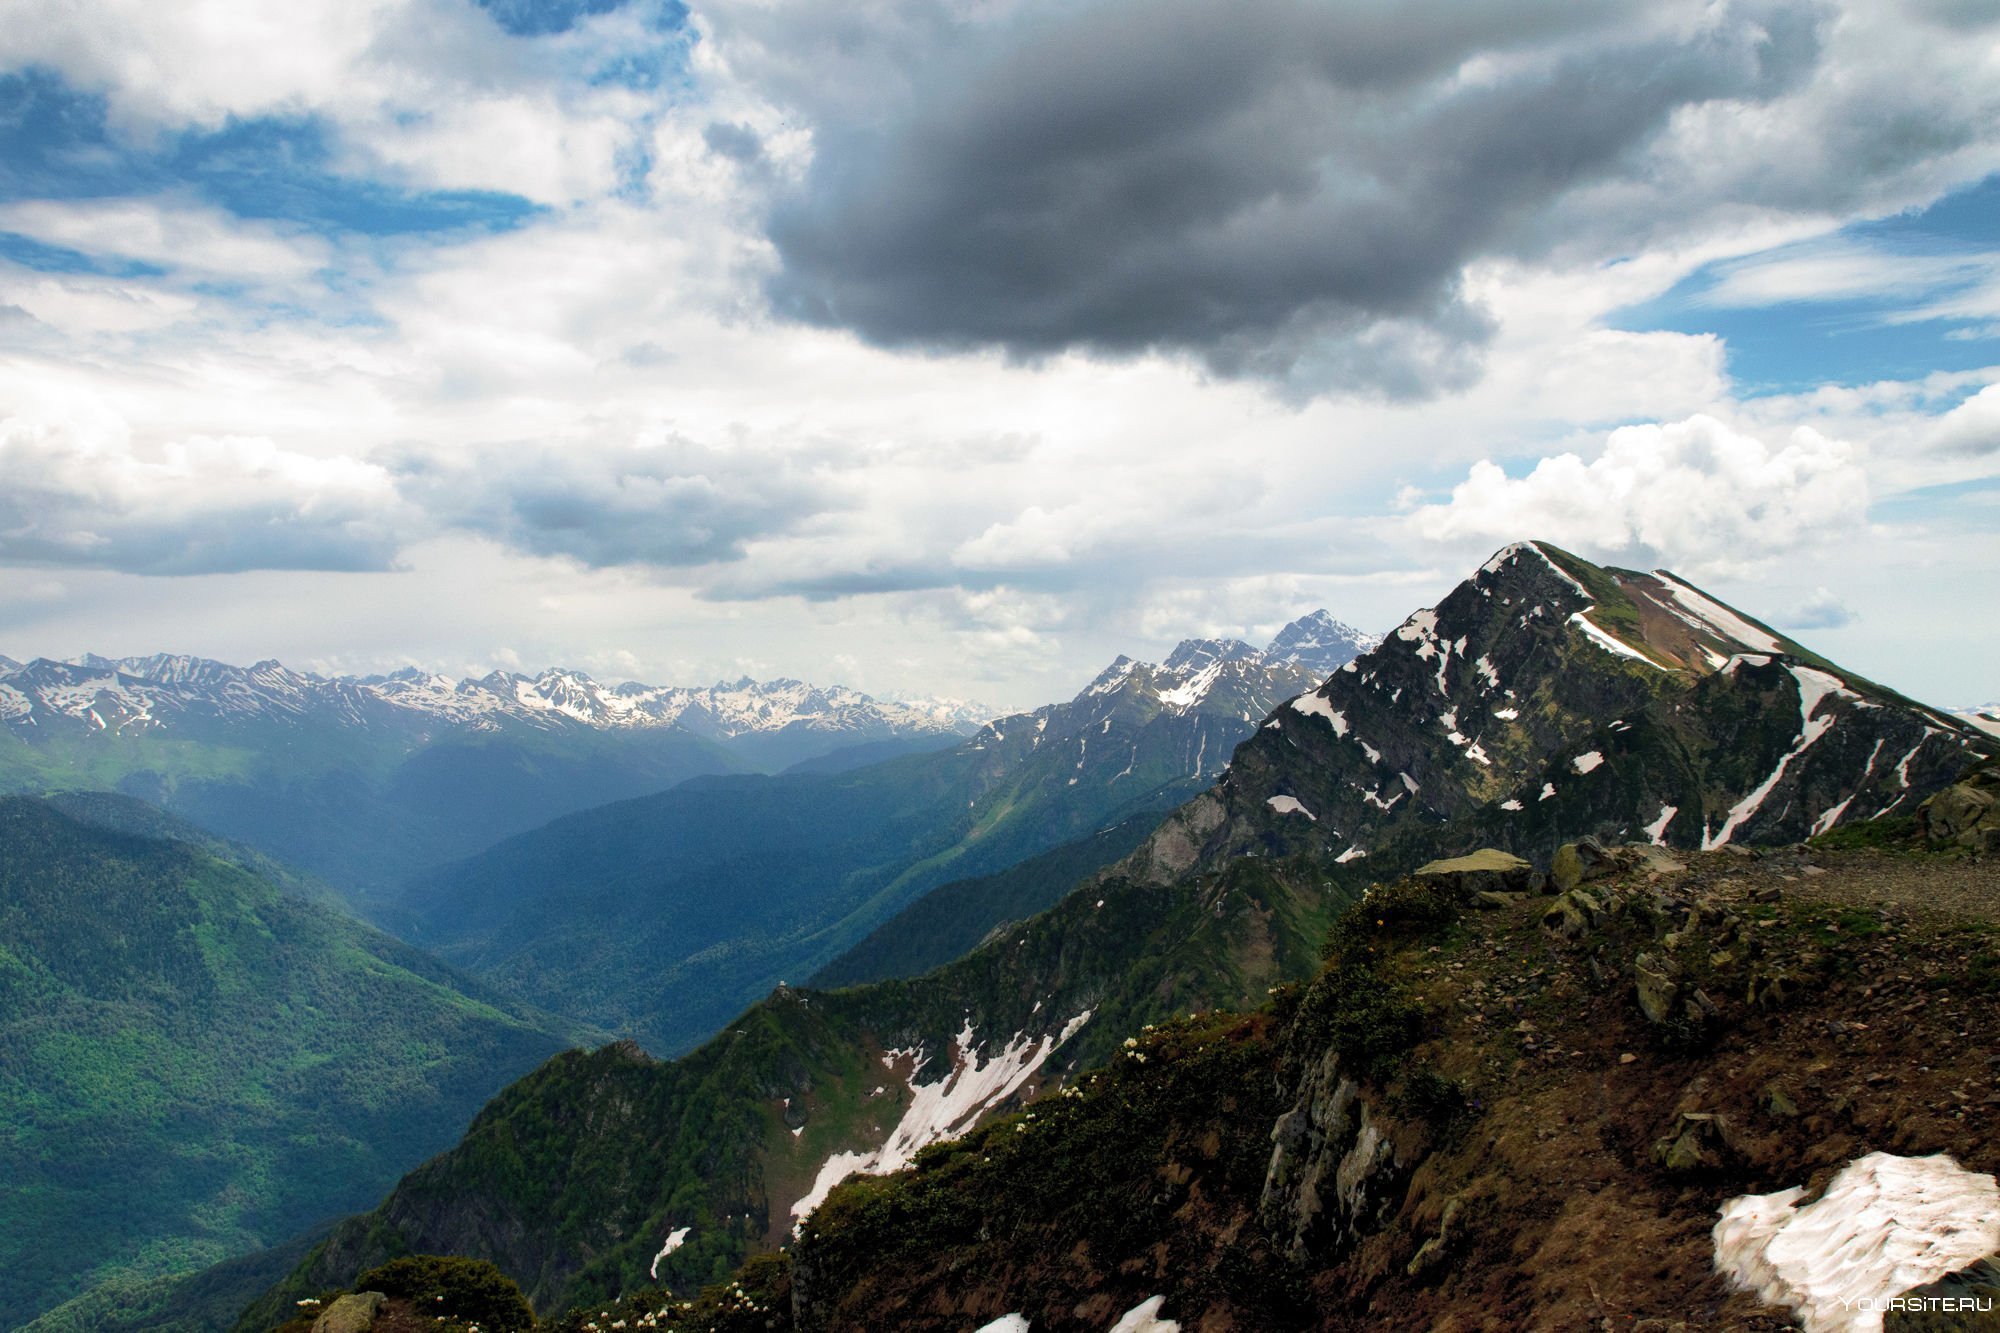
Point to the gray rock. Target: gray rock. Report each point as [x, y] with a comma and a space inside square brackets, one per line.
[1487, 870]
[1432, 1252]
[1962, 813]
[353, 1313]
[1334, 1174]
[1699, 1143]
[1658, 991]
[1578, 862]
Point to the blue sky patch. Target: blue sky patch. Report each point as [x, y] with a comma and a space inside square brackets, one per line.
[54, 144]
[1859, 332]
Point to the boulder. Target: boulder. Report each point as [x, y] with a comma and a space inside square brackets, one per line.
[1574, 914]
[1967, 1301]
[1486, 871]
[1578, 862]
[1488, 900]
[1432, 1252]
[1698, 1144]
[1658, 991]
[353, 1313]
[1967, 813]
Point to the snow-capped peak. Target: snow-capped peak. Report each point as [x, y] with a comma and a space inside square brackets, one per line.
[1320, 643]
[165, 689]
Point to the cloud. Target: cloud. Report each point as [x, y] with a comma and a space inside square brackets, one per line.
[1970, 430]
[201, 506]
[426, 93]
[1693, 494]
[1822, 610]
[1286, 191]
[669, 503]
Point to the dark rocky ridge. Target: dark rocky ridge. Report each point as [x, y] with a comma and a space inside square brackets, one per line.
[1593, 700]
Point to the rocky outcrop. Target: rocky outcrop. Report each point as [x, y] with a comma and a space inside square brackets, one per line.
[353, 1313]
[1967, 813]
[1488, 870]
[1335, 1172]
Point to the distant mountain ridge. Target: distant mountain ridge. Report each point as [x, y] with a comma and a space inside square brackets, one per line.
[158, 692]
[364, 781]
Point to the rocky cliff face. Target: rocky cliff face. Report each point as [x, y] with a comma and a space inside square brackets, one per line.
[1546, 698]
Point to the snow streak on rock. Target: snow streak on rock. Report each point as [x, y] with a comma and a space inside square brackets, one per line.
[1814, 686]
[1145, 1318]
[944, 1109]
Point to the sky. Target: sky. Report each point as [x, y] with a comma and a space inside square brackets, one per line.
[953, 347]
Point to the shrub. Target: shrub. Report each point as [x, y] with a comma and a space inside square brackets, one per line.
[447, 1285]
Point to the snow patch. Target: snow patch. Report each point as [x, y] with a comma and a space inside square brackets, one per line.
[1506, 714]
[1814, 686]
[1548, 790]
[943, 1109]
[1316, 705]
[1656, 832]
[1512, 805]
[1885, 1225]
[1145, 1318]
[675, 1239]
[1351, 854]
[1719, 618]
[1193, 690]
[1587, 762]
[1006, 1323]
[1289, 805]
[1605, 641]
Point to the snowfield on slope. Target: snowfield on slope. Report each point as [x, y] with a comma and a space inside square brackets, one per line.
[944, 1109]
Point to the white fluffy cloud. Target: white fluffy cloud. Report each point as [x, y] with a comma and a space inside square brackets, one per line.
[197, 506]
[1694, 494]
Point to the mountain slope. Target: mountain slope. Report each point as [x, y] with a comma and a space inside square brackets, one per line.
[1470, 1121]
[573, 1179]
[662, 917]
[194, 1064]
[1546, 699]
[954, 919]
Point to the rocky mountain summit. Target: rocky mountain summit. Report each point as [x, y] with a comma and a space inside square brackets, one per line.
[1547, 698]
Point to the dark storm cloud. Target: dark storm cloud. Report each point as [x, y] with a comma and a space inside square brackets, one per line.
[673, 504]
[1285, 190]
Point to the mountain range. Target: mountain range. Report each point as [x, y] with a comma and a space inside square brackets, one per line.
[366, 781]
[1544, 700]
[661, 917]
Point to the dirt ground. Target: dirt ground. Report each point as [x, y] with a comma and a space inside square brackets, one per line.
[1886, 1036]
